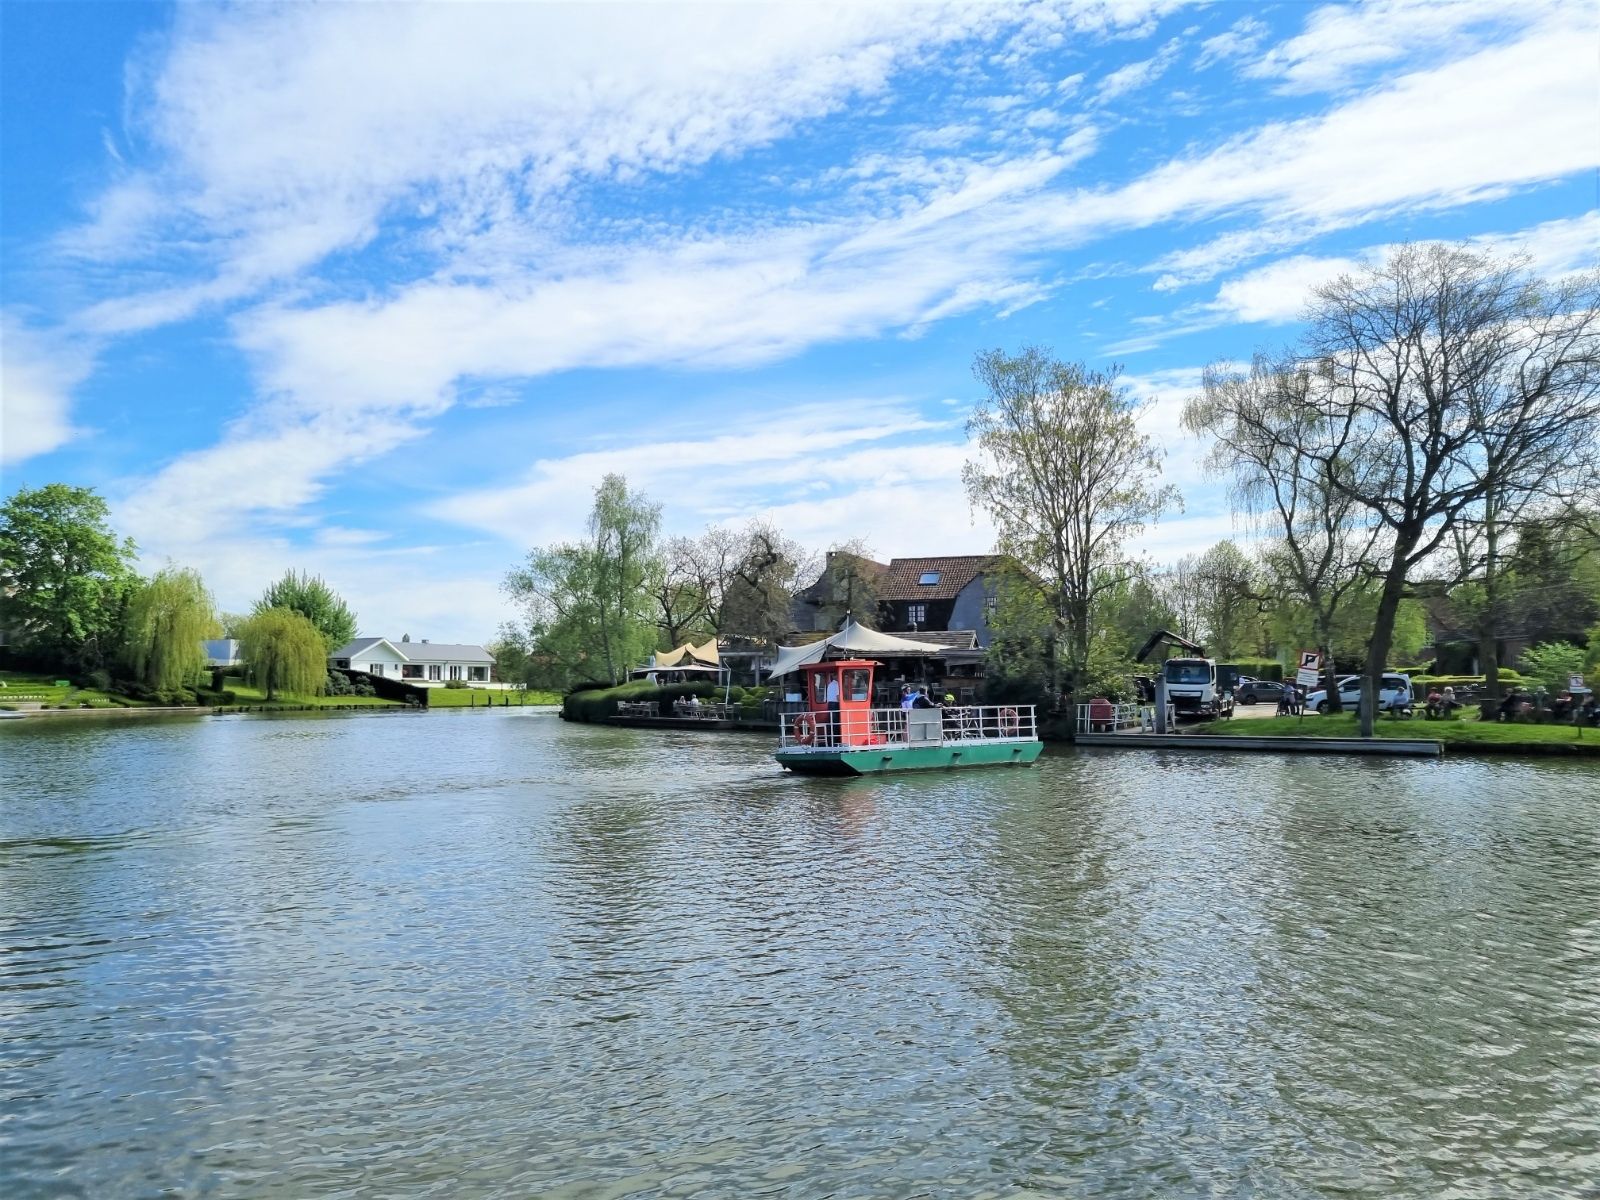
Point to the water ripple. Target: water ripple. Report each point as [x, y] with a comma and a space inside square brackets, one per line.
[464, 954]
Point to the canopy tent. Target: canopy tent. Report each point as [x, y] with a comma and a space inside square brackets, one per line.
[689, 656]
[853, 640]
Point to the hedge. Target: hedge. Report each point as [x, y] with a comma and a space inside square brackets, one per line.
[597, 704]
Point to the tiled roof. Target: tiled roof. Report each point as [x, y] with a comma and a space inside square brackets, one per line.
[900, 582]
[956, 639]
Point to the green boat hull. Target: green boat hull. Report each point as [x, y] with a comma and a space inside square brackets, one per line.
[875, 759]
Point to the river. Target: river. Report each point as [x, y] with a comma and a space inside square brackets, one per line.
[470, 954]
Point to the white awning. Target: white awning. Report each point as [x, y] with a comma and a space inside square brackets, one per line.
[853, 639]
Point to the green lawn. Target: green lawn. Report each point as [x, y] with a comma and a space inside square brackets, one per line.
[24, 688]
[474, 698]
[1451, 733]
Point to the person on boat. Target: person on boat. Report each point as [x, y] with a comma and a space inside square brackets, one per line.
[907, 697]
[831, 699]
[921, 700]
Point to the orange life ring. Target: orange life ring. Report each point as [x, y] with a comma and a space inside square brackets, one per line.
[1008, 721]
[803, 729]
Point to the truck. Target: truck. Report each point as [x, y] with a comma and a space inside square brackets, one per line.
[1195, 686]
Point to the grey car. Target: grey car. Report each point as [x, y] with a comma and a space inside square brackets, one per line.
[1255, 691]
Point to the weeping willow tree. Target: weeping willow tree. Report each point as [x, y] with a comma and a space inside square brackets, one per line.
[284, 652]
[171, 614]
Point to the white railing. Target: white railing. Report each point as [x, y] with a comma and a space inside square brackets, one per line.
[1102, 716]
[908, 727]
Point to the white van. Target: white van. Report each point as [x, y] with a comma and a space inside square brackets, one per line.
[1392, 689]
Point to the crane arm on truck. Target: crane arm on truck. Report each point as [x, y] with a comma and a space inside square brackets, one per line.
[1164, 637]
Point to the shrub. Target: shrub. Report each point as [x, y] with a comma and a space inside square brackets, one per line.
[596, 705]
[99, 681]
[455, 684]
[363, 687]
[339, 684]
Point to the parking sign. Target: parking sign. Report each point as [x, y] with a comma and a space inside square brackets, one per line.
[1310, 668]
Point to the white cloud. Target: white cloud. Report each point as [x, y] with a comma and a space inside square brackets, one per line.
[524, 293]
[1235, 43]
[1340, 40]
[1136, 75]
[284, 133]
[37, 375]
[1277, 292]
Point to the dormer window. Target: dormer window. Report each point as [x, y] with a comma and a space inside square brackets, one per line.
[929, 578]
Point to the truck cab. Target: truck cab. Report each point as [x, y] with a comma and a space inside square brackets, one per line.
[1195, 689]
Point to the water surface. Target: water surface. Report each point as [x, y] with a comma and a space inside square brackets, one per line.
[470, 954]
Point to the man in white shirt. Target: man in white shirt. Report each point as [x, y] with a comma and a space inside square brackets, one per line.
[831, 699]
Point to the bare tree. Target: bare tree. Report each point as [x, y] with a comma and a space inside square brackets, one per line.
[1447, 375]
[765, 572]
[1179, 588]
[1067, 477]
[1262, 422]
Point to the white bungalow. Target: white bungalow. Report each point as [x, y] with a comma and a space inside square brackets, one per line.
[421, 662]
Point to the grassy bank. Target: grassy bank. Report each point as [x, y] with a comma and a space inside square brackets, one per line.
[1488, 736]
[22, 688]
[477, 698]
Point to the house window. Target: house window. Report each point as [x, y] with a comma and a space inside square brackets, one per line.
[916, 614]
[433, 671]
[342, 662]
[411, 671]
[376, 668]
[929, 577]
[478, 674]
[455, 671]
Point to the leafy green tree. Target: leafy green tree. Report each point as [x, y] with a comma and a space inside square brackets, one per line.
[1231, 601]
[170, 615]
[314, 600]
[284, 652]
[1066, 476]
[1553, 663]
[1129, 612]
[591, 604]
[64, 575]
[1019, 666]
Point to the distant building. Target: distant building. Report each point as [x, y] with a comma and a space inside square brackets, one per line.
[946, 599]
[421, 662]
[221, 652]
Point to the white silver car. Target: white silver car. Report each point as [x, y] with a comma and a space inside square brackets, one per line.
[1392, 689]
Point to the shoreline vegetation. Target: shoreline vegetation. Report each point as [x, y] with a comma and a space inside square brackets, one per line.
[22, 692]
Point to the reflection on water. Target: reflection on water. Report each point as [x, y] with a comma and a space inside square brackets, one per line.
[474, 954]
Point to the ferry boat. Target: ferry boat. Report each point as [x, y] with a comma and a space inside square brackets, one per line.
[840, 733]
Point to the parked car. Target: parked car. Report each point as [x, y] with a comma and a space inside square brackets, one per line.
[1255, 691]
[1391, 689]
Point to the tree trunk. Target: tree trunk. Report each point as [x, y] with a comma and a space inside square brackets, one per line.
[1394, 586]
[1488, 651]
[1330, 677]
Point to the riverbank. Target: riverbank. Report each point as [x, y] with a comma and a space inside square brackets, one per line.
[1457, 736]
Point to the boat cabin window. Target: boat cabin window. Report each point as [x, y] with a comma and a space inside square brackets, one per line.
[1181, 671]
[857, 680]
[819, 687]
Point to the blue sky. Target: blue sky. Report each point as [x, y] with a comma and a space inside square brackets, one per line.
[381, 291]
